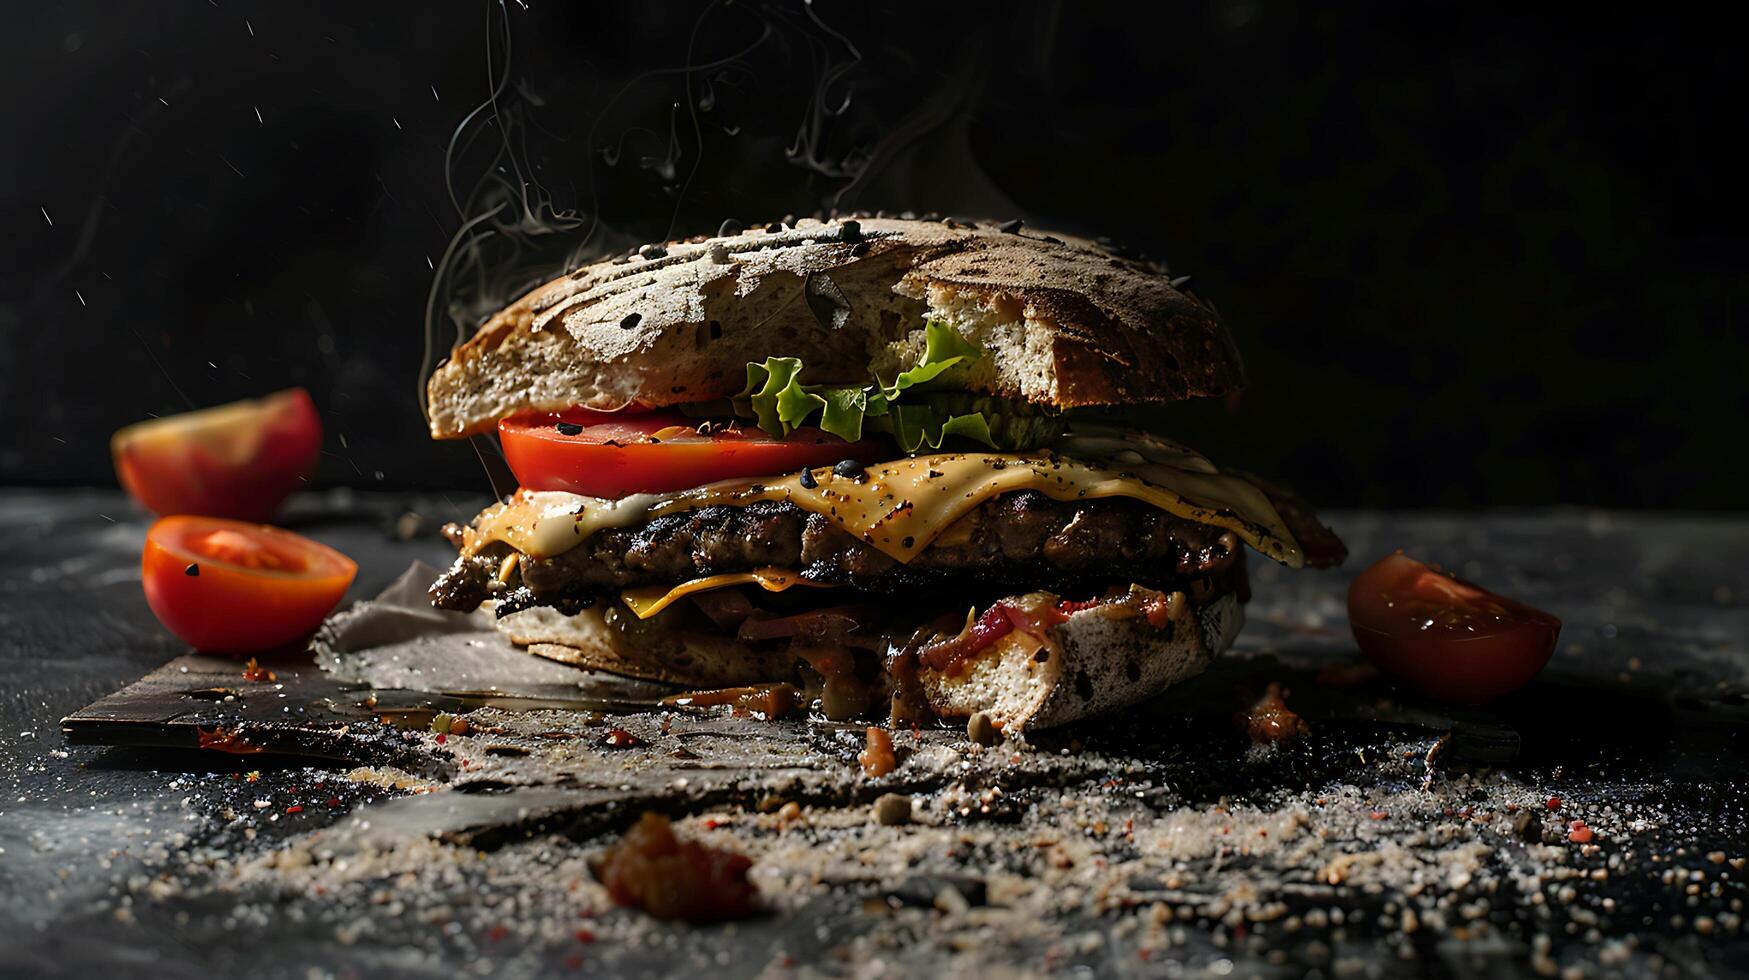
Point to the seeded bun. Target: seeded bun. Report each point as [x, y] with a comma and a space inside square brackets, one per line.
[1089, 664]
[1065, 323]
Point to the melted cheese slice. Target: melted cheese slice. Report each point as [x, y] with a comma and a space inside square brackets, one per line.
[899, 507]
[652, 599]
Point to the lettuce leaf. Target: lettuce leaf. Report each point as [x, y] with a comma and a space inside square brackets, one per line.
[918, 407]
[943, 348]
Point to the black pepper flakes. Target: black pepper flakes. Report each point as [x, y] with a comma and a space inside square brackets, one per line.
[568, 428]
[774, 227]
[729, 227]
[807, 479]
[847, 468]
[1180, 282]
[192, 571]
[850, 231]
[631, 320]
[1011, 227]
[652, 252]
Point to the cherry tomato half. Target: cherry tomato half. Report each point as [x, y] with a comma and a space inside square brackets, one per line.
[612, 454]
[1443, 636]
[232, 587]
[239, 460]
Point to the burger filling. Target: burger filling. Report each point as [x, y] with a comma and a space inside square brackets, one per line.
[861, 534]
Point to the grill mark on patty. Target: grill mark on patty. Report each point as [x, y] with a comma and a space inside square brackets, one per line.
[1022, 539]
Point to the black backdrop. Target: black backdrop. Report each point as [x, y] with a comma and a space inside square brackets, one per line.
[1472, 259]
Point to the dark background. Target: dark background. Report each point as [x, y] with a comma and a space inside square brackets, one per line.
[1472, 258]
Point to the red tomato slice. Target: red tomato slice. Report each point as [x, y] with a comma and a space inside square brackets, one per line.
[231, 587]
[239, 460]
[1445, 637]
[612, 454]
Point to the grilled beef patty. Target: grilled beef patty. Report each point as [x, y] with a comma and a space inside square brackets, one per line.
[1018, 541]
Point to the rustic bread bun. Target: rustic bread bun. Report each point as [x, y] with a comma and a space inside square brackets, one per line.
[585, 640]
[1065, 323]
[1087, 665]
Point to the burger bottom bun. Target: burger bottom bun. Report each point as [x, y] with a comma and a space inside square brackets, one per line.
[1089, 664]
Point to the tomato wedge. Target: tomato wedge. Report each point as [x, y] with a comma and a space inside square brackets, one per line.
[238, 460]
[1445, 637]
[231, 587]
[613, 454]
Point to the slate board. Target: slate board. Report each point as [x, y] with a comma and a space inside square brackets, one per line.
[1120, 847]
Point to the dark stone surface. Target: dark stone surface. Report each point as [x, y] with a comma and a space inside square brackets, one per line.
[1152, 843]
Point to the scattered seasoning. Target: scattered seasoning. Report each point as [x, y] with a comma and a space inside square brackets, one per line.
[294, 809]
[892, 809]
[669, 878]
[1554, 803]
[774, 227]
[1180, 282]
[877, 758]
[1270, 720]
[807, 479]
[220, 739]
[631, 320]
[253, 671]
[850, 231]
[619, 738]
[980, 728]
[193, 570]
[1011, 227]
[1526, 828]
[847, 468]
[568, 428]
[729, 227]
[1578, 833]
[652, 252]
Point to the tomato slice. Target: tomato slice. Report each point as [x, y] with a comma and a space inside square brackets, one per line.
[239, 460]
[232, 587]
[1445, 637]
[613, 454]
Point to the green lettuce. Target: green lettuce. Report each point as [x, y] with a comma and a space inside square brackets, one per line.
[917, 408]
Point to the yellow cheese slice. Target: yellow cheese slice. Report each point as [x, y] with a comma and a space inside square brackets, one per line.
[652, 599]
[899, 507]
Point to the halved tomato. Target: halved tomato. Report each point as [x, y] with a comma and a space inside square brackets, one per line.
[232, 587]
[613, 454]
[1445, 637]
[238, 460]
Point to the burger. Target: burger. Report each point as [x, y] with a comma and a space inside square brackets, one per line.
[888, 466]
